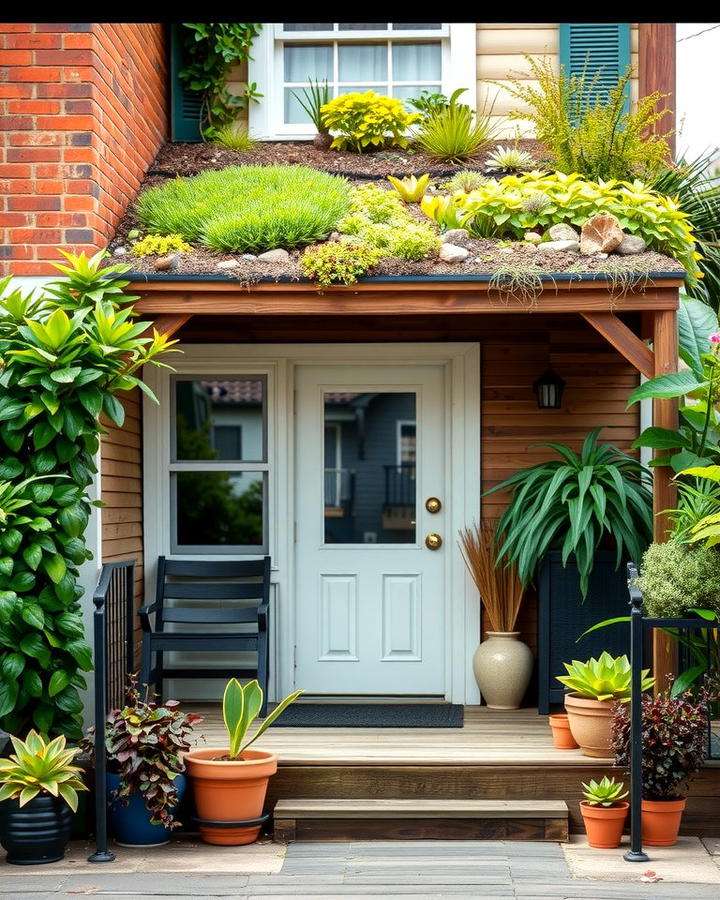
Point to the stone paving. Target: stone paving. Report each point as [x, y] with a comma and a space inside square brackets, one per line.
[417, 870]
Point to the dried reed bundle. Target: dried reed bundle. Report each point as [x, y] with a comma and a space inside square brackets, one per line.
[500, 588]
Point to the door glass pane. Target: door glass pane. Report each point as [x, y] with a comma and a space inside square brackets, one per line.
[220, 419]
[218, 509]
[370, 468]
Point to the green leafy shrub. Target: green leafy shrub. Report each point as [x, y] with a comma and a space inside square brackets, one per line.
[234, 137]
[65, 358]
[339, 262]
[507, 208]
[571, 503]
[605, 678]
[379, 218]
[210, 50]
[429, 103]
[675, 578]
[160, 244]
[587, 130]
[455, 133]
[247, 208]
[367, 121]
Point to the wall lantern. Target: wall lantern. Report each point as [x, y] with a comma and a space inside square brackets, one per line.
[549, 390]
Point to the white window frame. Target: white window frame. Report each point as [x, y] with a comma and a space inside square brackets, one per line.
[265, 119]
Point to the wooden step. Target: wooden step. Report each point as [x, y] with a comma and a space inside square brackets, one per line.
[420, 819]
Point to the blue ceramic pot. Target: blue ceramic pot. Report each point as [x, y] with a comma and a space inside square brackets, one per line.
[130, 825]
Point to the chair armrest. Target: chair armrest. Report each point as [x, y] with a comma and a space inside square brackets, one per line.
[144, 613]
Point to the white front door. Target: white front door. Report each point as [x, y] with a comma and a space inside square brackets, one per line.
[370, 595]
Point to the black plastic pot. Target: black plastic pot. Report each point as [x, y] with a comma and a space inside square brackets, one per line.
[37, 833]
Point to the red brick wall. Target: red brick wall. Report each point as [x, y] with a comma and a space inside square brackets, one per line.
[83, 111]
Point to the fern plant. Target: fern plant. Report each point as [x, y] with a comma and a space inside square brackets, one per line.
[571, 504]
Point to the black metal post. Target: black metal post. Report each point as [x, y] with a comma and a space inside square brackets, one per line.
[101, 854]
[130, 618]
[635, 853]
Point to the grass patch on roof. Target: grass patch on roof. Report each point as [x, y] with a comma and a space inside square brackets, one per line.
[247, 208]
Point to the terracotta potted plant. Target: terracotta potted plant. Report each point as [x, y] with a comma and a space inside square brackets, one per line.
[145, 742]
[675, 734]
[604, 811]
[230, 783]
[595, 686]
[39, 786]
[502, 663]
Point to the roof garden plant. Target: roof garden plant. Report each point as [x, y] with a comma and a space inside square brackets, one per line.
[211, 49]
[66, 357]
[589, 130]
[247, 208]
[339, 262]
[455, 132]
[573, 503]
[511, 206]
[363, 122]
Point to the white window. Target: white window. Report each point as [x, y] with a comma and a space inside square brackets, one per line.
[397, 59]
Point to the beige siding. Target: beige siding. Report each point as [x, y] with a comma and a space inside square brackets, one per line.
[501, 52]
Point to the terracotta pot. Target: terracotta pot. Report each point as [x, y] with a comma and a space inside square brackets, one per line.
[503, 665]
[604, 824]
[229, 790]
[590, 724]
[561, 734]
[661, 822]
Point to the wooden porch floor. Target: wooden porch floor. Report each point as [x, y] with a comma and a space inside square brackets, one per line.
[488, 737]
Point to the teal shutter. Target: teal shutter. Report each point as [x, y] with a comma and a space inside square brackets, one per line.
[184, 103]
[597, 49]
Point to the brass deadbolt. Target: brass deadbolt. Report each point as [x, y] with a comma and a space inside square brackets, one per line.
[433, 541]
[433, 505]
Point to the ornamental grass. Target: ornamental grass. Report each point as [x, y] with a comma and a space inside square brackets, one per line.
[500, 588]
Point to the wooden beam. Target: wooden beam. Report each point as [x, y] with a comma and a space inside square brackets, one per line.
[623, 340]
[665, 415]
[656, 71]
[169, 323]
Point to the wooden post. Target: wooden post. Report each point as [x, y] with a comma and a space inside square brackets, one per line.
[665, 415]
[656, 70]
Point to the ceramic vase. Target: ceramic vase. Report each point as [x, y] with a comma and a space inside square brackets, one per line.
[503, 666]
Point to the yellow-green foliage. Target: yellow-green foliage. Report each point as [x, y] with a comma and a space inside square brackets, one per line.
[160, 244]
[379, 218]
[339, 262]
[509, 207]
[411, 189]
[367, 121]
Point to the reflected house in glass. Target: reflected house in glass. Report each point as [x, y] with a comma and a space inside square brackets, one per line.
[370, 467]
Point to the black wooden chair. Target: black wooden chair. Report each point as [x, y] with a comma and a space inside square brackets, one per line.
[203, 583]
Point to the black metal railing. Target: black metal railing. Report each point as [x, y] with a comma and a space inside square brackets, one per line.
[640, 626]
[114, 657]
[400, 485]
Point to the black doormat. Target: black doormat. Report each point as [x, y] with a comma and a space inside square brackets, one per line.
[372, 715]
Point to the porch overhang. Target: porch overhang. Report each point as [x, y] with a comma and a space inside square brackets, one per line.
[171, 303]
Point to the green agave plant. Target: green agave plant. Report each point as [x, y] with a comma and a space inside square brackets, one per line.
[606, 792]
[572, 503]
[241, 705]
[606, 678]
[40, 767]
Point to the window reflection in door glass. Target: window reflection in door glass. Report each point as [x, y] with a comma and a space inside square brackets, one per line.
[370, 467]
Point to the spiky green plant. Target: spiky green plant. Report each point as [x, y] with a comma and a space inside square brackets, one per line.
[311, 99]
[234, 137]
[466, 181]
[247, 208]
[410, 188]
[41, 767]
[241, 706]
[510, 159]
[605, 678]
[606, 792]
[455, 133]
[572, 503]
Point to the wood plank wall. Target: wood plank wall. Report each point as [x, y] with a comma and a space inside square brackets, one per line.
[121, 484]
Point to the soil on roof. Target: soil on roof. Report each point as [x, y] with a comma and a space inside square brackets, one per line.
[487, 257]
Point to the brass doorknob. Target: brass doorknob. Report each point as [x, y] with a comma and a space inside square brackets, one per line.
[433, 541]
[433, 505]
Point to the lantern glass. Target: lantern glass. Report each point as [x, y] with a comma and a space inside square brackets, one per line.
[549, 390]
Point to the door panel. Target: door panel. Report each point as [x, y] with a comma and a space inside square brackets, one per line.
[370, 595]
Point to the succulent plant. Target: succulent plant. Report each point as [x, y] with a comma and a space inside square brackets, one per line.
[466, 181]
[411, 189]
[510, 159]
[535, 203]
[606, 678]
[40, 767]
[606, 792]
